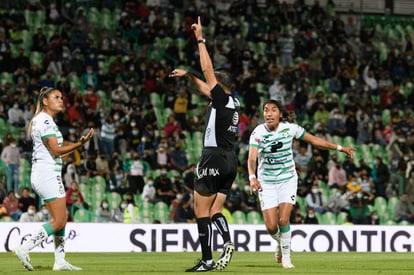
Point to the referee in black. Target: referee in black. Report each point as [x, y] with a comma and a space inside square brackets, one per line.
[217, 167]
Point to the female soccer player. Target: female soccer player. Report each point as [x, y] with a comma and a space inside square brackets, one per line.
[277, 181]
[46, 177]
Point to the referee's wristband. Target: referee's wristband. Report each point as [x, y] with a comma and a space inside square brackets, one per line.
[339, 148]
[252, 177]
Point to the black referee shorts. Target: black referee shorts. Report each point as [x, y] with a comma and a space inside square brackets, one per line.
[215, 171]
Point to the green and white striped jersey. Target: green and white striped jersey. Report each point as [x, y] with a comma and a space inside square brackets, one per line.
[275, 155]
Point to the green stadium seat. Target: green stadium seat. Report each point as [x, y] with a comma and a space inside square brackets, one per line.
[114, 199]
[239, 217]
[146, 212]
[254, 217]
[6, 219]
[82, 215]
[391, 204]
[341, 218]
[161, 212]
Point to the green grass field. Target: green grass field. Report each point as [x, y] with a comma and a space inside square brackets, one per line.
[242, 263]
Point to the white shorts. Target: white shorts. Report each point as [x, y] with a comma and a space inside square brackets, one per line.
[273, 194]
[47, 182]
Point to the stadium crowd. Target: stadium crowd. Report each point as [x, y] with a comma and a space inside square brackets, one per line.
[346, 79]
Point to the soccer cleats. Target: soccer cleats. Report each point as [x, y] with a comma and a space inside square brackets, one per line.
[225, 256]
[202, 266]
[24, 258]
[65, 266]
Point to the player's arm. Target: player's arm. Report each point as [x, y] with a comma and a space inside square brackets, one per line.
[52, 145]
[251, 168]
[326, 145]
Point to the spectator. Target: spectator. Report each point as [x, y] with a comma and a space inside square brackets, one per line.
[311, 217]
[315, 201]
[74, 199]
[71, 174]
[373, 218]
[338, 202]
[164, 187]
[404, 210]
[11, 203]
[184, 212]
[26, 199]
[136, 174]
[249, 200]
[178, 158]
[103, 213]
[118, 180]
[39, 41]
[131, 214]
[43, 214]
[336, 125]
[337, 177]
[381, 177]
[181, 106]
[359, 210]
[30, 215]
[149, 192]
[11, 157]
[16, 116]
[234, 198]
[118, 213]
[171, 126]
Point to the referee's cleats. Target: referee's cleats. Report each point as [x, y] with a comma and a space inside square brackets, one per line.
[202, 266]
[24, 258]
[225, 256]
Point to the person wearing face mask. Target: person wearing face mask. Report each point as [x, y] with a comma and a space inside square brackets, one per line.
[43, 214]
[131, 213]
[310, 217]
[136, 174]
[30, 215]
[103, 213]
[118, 213]
[358, 209]
[337, 202]
[149, 191]
[336, 124]
[404, 210]
[11, 157]
[315, 201]
[16, 116]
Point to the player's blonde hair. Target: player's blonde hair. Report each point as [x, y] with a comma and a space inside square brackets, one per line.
[44, 92]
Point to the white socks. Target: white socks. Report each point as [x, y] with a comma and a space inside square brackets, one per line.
[36, 239]
[59, 249]
[285, 239]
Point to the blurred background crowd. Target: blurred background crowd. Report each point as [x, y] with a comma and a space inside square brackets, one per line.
[348, 78]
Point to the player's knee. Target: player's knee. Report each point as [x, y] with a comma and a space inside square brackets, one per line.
[283, 221]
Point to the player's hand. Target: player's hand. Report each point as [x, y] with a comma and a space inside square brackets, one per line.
[196, 27]
[348, 150]
[88, 136]
[178, 73]
[255, 185]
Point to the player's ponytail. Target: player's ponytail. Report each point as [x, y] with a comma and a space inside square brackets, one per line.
[39, 106]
